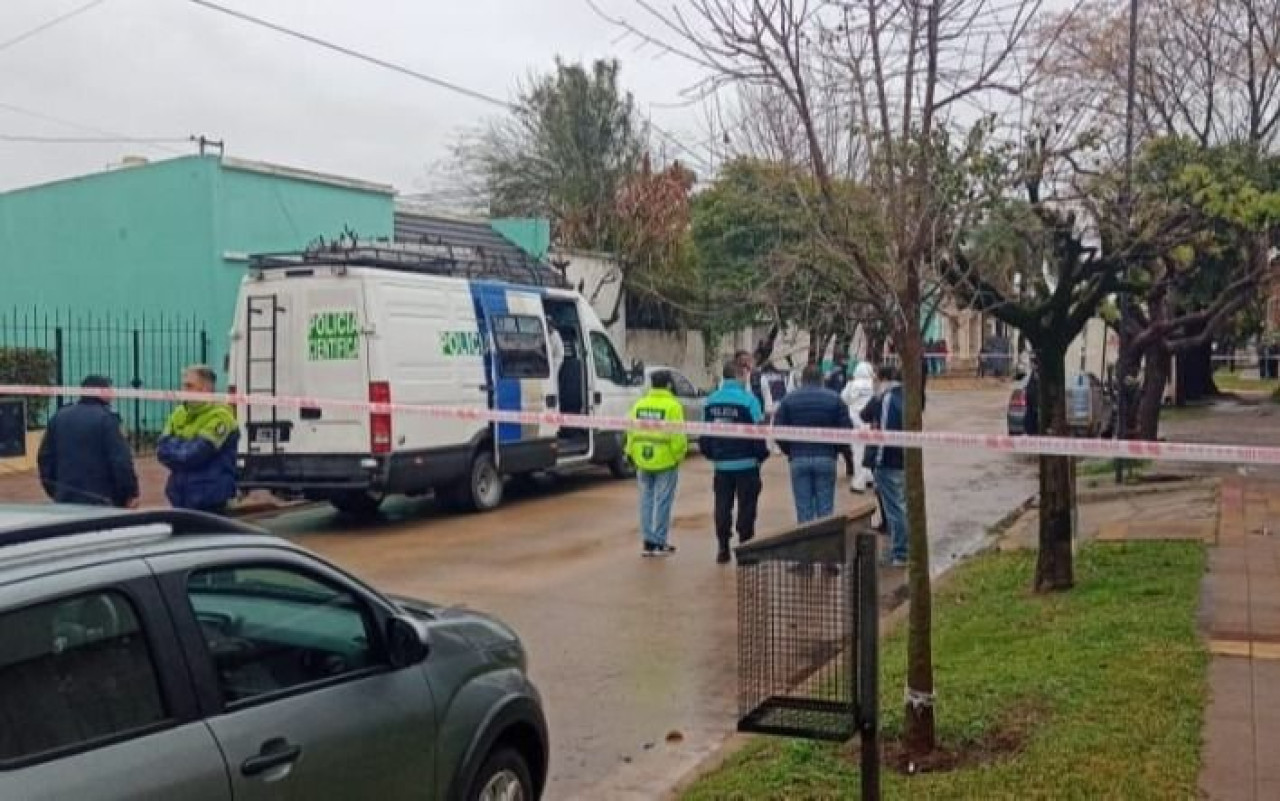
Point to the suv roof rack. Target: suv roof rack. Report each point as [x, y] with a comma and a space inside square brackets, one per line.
[181, 522]
[426, 258]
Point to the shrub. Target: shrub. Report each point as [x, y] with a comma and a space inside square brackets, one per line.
[31, 366]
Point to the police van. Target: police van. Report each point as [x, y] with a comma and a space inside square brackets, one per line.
[421, 325]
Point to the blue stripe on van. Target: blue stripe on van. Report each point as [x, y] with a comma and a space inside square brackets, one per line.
[492, 299]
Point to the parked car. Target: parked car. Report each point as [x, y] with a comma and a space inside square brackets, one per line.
[691, 398]
[163, 655]
[1090, 411]
[1016, 412]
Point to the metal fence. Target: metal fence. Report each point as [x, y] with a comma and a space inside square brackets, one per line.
[133, 349]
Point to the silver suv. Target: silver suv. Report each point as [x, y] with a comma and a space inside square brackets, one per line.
[172, 655]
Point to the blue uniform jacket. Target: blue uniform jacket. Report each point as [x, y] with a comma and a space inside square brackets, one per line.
[732, 403]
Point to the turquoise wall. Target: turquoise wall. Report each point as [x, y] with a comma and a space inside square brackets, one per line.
[531, 235]
[161, 239]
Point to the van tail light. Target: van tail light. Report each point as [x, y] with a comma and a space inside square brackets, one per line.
[379, 422]
[1019, 400]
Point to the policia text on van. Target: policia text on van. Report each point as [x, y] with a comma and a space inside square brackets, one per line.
[417, 325]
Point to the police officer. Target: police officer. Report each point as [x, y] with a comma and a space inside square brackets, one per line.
[657, 456]
[199, 448]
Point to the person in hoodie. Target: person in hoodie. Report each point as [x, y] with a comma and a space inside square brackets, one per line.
[813, 464]
[888, 413]
[737, 461]
[856, 395]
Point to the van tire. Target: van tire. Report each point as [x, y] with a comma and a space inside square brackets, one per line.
[482, 490]
[358, 504]
[620, 467]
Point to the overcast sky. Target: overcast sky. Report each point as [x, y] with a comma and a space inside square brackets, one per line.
[168, 68]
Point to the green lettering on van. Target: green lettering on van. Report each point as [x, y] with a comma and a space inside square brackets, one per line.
[460, 343]
[333, 336]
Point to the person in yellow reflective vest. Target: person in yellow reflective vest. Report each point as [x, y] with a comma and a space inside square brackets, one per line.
[657, 456]
[199, 448]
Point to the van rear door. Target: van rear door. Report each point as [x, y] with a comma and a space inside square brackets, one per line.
[306, 336]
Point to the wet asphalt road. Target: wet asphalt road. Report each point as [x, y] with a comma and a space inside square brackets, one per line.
[635, 657]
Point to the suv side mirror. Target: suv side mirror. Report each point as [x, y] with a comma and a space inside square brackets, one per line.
[406, 643]
[637, 372]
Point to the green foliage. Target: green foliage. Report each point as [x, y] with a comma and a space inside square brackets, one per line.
[1108, 683]
[563, 152]
[31, 366]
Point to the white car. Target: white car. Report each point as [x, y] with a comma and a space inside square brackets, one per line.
[690, 397]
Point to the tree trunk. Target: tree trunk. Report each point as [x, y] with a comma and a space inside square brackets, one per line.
[1055, 570]
[1128, 363]
[1195, 375]
[920, 736]
[1155, 374]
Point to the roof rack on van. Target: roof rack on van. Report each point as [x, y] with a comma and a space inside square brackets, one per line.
[429, 258]
[180, 522]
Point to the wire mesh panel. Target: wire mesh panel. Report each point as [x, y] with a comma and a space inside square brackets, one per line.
[797, 634]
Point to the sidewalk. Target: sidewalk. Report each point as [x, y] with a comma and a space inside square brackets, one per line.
[1240, 615]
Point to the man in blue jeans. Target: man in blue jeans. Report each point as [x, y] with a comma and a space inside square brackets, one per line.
[657, 455]
[886, 412]
[813, 464]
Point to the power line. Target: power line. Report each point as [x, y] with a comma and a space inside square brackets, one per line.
[44, 26]
[91, 140]
[399, 68]
[102, 132]
[346, 51]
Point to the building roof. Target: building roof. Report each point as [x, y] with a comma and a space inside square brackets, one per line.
[415, 225]
[294, 173]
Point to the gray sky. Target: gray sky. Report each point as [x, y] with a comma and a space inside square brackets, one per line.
[168, 68]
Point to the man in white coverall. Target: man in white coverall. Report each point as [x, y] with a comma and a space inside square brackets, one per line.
[856, 394]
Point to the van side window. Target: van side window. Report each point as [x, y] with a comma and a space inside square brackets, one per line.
[608, 365]
[73, 672]
[521, 346]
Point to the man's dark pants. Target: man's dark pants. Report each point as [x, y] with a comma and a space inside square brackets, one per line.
[742, 486]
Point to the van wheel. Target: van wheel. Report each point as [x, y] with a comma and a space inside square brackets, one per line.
[358, 504]
[621, 467]
[483, 491]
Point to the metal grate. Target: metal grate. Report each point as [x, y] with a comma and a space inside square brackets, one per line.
[798, 629]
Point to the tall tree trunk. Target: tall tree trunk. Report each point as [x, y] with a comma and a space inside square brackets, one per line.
[1155, 374]
[1128, 363]
[920, 735]
[1055, 569]
[1195, 374]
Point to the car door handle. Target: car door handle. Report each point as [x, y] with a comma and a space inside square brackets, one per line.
[275, 753]
[597, 398]
[551, 401]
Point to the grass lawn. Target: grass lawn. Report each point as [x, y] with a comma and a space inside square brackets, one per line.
[1234, 382]
[1104, 688]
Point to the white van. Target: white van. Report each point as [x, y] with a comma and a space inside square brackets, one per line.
[414, 325]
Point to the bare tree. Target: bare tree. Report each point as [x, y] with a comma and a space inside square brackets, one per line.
[899, 76]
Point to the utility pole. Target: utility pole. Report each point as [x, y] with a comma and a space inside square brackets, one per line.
[1122, 390]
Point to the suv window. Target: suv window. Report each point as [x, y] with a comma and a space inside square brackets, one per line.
[521, 343]
[271, 629]
[608, 365]
[72, 672]
[682, 386]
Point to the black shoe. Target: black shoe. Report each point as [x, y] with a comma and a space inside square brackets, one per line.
[649, 548]
[722, 558]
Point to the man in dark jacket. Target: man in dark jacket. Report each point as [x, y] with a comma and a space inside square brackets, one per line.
[887, 413]
[199, 448]
[813, 464]
[737, 461]
[84, 458]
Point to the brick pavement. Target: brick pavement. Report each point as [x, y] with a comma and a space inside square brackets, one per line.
[1240, 615]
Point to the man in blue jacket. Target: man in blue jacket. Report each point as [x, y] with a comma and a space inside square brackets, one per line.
[887, 413]
[737, 461]
[83, 457]
[199, 448]
[813, 464]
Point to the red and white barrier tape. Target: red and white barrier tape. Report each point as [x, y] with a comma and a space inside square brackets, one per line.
[1061, 446]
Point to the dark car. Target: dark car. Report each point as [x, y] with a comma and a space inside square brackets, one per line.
[174, 655]
[1016, 413]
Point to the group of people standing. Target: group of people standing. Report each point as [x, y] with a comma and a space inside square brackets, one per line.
[84, 458]
[747, 397]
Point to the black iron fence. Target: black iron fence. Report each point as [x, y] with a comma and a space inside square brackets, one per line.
[134, 349]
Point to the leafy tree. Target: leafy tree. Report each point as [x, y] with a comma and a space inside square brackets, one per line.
[563, 153]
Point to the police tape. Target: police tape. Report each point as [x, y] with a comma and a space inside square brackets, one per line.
[1031, 446]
